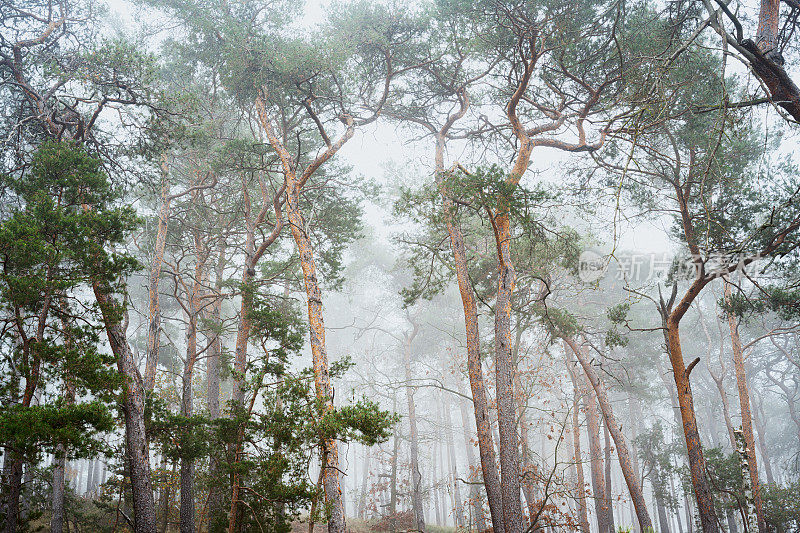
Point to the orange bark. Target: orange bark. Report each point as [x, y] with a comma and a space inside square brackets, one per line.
[694, 448]
[744, 406]
[486, 452]
[297, 224]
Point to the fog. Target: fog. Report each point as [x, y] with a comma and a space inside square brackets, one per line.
[369, 266]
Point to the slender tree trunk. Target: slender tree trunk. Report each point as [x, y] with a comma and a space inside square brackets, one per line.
[675, 498]
[89, 475]
[583, 515]
[726, 413]
[505, 373]
[324, 391]
[365, 478]
[451, 457]
[663, 522]
[474, 491]
[744, 406]
[154, 308]
[215, 503]
[187, 464]
[634, 419]
[596, 462]
[144, 513]
[167, 503]
[416, 476]
[528, 471]
[434, 493]
[609, 496]
[612, 426]
[491, 477]
[694, 448]
[246, 306]
[393, 483]
[442, 478]
[762, 443]
[57, 520]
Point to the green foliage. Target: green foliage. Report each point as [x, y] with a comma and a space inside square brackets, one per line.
[60, 219]
[781, 506]
[783, 301]
[657, 456]
[281, 435]
[541, 245]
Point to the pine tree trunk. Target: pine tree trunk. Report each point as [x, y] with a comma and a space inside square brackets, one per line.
[744, 406]
[609, 497]
[505, 374]
[393, 483]
[187, 464]
[187, 508]
[215, 503]
[144, 513]
[613, 427]
[416, 476]
[474, 491]
[365, 478]
[675, 498]
[662, 510]
[486, 451]
[596, 462]
[583, 516]
[694, 448]
[451, 458]
[762, 442]
[324, 392]
[57, 520]
[154, 308]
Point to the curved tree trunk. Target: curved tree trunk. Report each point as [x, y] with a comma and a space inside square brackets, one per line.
[486, 452]
[305, 249]
[613, 427]
[137, 448]
[324, 392]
